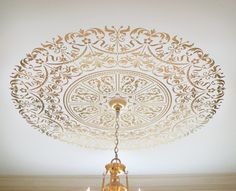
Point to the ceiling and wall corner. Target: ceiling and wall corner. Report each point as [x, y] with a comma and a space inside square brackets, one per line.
[26, 24]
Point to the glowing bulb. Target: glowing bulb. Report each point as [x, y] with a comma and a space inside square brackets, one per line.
[88, 189]
[139, 189]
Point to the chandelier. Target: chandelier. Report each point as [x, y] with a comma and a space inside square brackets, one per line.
[115, 169]
[68, 87]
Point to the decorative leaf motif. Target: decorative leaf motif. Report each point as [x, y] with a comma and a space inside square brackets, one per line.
[63, 87]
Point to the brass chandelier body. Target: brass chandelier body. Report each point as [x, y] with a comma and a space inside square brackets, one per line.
[115, 168]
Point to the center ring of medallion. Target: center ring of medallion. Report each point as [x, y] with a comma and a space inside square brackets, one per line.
[87, 99]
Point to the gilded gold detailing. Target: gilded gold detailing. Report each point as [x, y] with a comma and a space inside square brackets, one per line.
[97, 112]
[117, 103]
[63, 88]
[115, 169]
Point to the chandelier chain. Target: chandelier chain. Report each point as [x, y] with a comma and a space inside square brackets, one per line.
[117, 126]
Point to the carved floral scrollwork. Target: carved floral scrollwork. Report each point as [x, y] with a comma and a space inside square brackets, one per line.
[63, 87]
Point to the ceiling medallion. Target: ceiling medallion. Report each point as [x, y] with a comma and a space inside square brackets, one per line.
[64, 88]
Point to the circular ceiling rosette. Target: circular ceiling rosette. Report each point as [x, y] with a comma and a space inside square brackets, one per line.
[63, 87]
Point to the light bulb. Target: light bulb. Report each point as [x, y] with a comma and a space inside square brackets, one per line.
[88, 189]
[139, 189]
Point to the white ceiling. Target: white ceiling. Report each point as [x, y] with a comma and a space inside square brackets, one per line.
[209, 24]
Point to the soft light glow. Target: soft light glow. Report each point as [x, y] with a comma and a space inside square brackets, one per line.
[88, 189]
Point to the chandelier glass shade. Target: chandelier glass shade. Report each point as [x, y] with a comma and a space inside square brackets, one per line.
[115, 168]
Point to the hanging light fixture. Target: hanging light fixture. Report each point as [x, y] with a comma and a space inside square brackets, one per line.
[115, 168]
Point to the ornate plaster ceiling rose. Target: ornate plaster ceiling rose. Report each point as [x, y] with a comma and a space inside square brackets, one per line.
[64, 88]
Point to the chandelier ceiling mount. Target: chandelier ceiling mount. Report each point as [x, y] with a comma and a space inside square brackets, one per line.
[117, 103]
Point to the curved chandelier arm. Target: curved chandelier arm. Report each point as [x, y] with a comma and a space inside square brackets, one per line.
[127, 182]
[103, 181]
